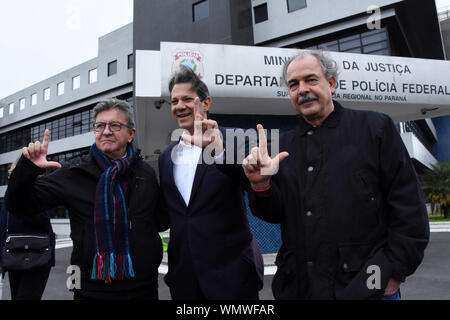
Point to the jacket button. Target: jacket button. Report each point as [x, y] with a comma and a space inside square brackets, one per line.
[310, 132]
[310, 169]
[308, 213]
[345, 266]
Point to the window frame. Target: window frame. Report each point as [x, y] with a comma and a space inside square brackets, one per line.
[76, 80]
[112, 68]
[196, 5]
[255, 8]
[91, 72]
[130, 61]
[60, 88]
[289, 10]
[45, 96]
[22, 105]
[34, 99]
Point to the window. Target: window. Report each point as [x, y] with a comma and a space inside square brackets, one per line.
[294, 5]
[76, 82]
[60, 88]
[130, 61]
[200, 10]
[112, 68]
[374, 42]
[11, 108]
[22, 103]
[350, 44]
[92, 75]
[330, 45]
[46, 94]
[34, 99]
[64, 126]
[260, 13]
[68, 155]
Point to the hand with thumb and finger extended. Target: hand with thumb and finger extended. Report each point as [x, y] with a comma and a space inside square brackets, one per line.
[37, 153]
[258, 166]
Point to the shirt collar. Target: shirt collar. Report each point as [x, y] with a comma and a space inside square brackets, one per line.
[331, 121]
[184, 146]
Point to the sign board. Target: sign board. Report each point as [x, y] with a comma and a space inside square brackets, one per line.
[246, 72]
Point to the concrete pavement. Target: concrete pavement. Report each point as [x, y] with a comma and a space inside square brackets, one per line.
[431, 281]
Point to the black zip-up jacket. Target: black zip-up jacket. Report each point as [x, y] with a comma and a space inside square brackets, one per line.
[73, 186]
[348, 201]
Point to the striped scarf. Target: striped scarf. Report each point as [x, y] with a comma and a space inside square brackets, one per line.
[112, 259]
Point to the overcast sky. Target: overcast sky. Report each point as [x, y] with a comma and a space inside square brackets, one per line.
[40, 38]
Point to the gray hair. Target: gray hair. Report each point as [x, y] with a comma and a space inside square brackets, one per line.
[328, 65]
[187, 75]
[117, 104]
[13, 165]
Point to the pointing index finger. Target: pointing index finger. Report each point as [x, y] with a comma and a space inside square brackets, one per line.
[262, 140]
[198, 110]
[46, 139]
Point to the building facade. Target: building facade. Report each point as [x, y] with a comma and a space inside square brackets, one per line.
[381, 28]
[63, 104]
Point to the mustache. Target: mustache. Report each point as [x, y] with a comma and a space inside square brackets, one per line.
[307, 98]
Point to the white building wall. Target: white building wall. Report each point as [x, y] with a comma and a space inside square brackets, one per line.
[317, 12]
[417, 150]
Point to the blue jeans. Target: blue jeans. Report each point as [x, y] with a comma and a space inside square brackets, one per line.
[395, 296]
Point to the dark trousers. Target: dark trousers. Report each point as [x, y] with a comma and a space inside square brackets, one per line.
[28, 284]
[197, 294]
[147, 293]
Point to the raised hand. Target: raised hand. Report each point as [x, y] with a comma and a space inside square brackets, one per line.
[206, 131]
[258, 166]
[37, 153]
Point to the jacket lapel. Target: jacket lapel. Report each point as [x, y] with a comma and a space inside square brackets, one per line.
[199, 174]
[201, 169]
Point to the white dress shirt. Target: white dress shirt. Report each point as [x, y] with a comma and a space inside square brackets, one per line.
[184, 168]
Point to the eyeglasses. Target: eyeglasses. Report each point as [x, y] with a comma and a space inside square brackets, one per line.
[113, 126]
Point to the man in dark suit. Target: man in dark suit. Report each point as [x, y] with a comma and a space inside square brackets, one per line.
[212, 253]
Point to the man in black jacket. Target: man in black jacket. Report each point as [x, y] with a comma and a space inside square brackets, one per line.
[352, 214]
[113, 199]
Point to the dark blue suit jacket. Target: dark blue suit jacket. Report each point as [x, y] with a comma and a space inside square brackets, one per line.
[211, 245]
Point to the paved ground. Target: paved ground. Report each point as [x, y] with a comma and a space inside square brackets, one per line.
[430, 282]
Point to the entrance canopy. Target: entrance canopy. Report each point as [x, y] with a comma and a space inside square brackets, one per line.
[247, 80]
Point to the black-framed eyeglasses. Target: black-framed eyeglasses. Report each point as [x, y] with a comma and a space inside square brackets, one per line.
[113, 126]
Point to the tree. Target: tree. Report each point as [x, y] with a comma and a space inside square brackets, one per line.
[436, 186]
